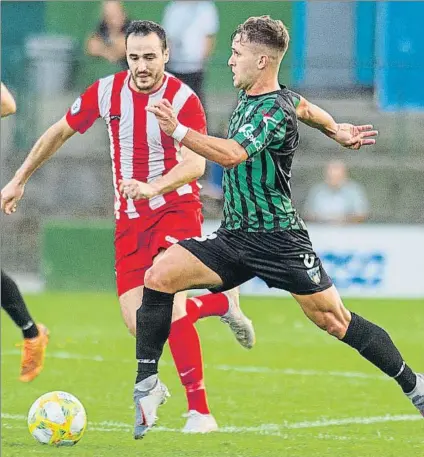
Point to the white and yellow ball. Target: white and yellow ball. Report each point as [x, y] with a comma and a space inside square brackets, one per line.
[58, 419]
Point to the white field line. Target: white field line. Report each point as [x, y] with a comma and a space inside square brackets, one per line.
[263, 429]
[237, 369]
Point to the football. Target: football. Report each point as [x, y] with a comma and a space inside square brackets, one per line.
[58, 419]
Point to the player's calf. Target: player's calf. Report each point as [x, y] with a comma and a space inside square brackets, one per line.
[370, 340]
[330, 323]
[326, 310]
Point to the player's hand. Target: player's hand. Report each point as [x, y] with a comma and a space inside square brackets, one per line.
[136, 190]
[355, 136]
[165, 115]
[11, 193]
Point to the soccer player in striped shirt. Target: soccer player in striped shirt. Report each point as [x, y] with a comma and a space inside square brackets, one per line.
[261, 234]
[156, 198]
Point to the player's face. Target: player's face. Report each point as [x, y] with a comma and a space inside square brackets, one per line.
[146, 60]
[243, 63]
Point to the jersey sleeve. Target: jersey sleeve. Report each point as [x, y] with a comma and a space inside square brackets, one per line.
[192, 115]
[85, 110]
[268, 122]
[295, 97]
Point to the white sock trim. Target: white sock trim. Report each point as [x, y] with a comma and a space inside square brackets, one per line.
[402, 368]
[147, 384]
[28, 325]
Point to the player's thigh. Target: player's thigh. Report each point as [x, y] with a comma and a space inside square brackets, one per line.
[220, 252]
[132, 257]
[177, 270]
[326, 310]
[179, 309]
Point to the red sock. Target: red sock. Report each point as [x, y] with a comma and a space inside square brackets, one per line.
[206, 305]
[185, 348]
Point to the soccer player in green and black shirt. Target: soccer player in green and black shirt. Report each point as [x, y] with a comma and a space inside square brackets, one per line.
[261, 233]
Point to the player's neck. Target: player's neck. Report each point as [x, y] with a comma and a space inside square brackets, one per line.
[264, 86]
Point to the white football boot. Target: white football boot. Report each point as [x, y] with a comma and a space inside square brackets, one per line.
[417, 395]
[199, 423]
[147, 401]
[239, 324]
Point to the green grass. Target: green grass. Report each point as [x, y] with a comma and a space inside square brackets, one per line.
[88, 328]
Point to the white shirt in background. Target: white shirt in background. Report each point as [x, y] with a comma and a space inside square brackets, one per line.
[327, 204]
[187, 24]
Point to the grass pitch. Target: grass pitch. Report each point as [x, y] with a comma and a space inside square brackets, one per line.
[298, 393]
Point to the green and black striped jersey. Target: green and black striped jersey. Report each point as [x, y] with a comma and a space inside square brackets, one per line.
[257, 195]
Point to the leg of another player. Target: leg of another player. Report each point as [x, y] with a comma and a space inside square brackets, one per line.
[225, 305]
[184, 343]
[186, 351]
[327, 311]
[35, 336]
[175, 270]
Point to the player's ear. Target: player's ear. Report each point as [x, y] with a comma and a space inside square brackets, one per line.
[263, 62]
[166, 55]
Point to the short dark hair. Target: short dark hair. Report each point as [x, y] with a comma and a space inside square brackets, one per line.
[143, 28]
[266, 31]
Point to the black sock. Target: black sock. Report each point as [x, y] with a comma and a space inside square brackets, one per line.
[375, 344]
[14, 305]
[153, 326]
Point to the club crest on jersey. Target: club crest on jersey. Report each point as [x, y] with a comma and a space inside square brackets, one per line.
[76, 106]
[315, 275]
[269, 121]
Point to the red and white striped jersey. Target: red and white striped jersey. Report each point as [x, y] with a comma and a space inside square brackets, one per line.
[138, 147]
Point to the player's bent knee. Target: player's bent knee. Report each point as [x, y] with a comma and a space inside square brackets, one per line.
[156, 279]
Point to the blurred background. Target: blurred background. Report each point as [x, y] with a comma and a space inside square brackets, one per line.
[362, 61]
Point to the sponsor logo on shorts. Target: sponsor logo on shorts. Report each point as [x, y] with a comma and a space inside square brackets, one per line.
[211, 236]
[315, 275]
[308, 260]
[171, 239]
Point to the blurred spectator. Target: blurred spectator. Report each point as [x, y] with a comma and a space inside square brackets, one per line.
[338, 199]
[108, 41]
[191, 27]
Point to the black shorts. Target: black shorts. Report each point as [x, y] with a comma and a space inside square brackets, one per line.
[284, 260]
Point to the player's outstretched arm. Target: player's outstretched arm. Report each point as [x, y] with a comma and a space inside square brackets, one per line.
[8, 104]
[348, 135]
[191, 167]
[227, 153]
[44, 148]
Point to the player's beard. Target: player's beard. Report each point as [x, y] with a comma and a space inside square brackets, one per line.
[149, 83]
